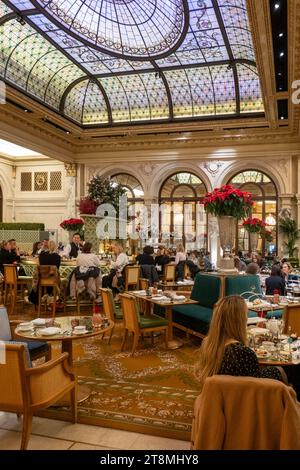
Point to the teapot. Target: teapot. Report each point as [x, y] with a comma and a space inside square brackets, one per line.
[274, 326]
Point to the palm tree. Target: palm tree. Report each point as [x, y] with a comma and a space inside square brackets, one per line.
[289, 228]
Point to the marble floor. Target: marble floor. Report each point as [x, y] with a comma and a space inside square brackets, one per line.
[48, 434]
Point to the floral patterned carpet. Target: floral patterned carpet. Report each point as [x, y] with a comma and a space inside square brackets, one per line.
[152, 392]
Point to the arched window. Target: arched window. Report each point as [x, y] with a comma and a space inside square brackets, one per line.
[265, 207]
[182, 217]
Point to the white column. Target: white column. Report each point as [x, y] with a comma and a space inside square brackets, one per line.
[213, 239]
[71, 177]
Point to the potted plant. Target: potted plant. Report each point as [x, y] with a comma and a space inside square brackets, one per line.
[101, 190]
[288, 227]
[254, 227]
[229, 205]
[72, 226]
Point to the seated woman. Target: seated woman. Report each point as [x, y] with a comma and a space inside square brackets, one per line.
[87, 275]
[180, 261]
[275, 281]
[162, 257]
[115, 280]
[51, 257]
[225, 352]
[146, 258]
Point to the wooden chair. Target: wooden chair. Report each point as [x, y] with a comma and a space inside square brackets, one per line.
[187, 272]
[132, 274]
[138, 325]
[36, 349]
[26, 390]
[109, 308]
[12, 283]
[144, 283]
[48, 276]
[292, 319]
[169, 272]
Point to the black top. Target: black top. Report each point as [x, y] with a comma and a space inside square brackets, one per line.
[273, 283]
[239, 360]
[74, 250]
[161, 260]
[6, 257]
[50, 259]
[15, 258]
[145, 259]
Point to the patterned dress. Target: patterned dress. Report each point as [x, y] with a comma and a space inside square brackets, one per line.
[239, 360]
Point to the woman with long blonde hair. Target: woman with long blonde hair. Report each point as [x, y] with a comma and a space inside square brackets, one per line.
[224, 351]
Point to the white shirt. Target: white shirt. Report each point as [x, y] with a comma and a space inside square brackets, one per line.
[67, 250]
[120, 263]
[87, 260]
[180, 257]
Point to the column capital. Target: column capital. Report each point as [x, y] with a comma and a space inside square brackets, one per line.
[71, 169]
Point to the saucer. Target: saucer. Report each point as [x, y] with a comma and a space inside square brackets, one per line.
[80, 332]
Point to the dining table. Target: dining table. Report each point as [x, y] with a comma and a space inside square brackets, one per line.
[167, 305]
[66, 335]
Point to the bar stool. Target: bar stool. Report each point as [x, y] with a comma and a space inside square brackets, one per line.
[48, 276]
[11, 283]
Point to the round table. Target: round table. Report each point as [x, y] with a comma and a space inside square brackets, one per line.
[66, 337]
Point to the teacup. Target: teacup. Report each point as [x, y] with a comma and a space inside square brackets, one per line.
[80, 328]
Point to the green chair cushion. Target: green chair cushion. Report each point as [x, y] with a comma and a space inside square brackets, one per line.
[152, 321]
[237, 285]
[196, 312]
[274, 314]
[206, 290]
[252, 314]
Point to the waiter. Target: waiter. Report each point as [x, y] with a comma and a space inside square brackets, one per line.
[74, 248]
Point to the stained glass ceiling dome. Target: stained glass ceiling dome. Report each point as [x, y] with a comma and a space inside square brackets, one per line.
[133, 29]
[114, 62]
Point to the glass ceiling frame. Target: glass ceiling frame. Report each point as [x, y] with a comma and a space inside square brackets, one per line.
[152, 68]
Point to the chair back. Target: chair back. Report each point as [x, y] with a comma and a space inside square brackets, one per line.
[230, 421]
[132, 274]
[130, 313]
[292, 319]
[169, 272]
[237, 285]
[5, 331]
[186, 271]
[13, 388]
[48, 275]
[108, 303]
[10, 274]
[144, 283]
[206, 290]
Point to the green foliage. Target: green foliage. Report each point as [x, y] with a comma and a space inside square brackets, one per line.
[288, 227]
[21, 226]
[103, 191]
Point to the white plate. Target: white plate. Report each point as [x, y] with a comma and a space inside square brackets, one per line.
[25, 329]
[263, 356]
[51, 331]
[25, 326]
[83, 332]
[39, 321]
[178, 298]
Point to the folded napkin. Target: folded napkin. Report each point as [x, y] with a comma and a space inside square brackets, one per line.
[179, 297]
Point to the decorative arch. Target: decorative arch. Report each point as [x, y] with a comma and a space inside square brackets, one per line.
[182, 217]
[265, 196]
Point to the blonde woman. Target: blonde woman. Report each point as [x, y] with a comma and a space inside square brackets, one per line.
[50, 257]
[117, 266]
[224, 351]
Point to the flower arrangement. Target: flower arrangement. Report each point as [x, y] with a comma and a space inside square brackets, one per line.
[101, 190]
[268, 236]
[229, 201]
[254, 225]
[73, 225]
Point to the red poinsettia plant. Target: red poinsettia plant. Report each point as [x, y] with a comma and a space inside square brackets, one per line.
[268, 236]
[228, 200]
[254, 225]
[72, 224]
